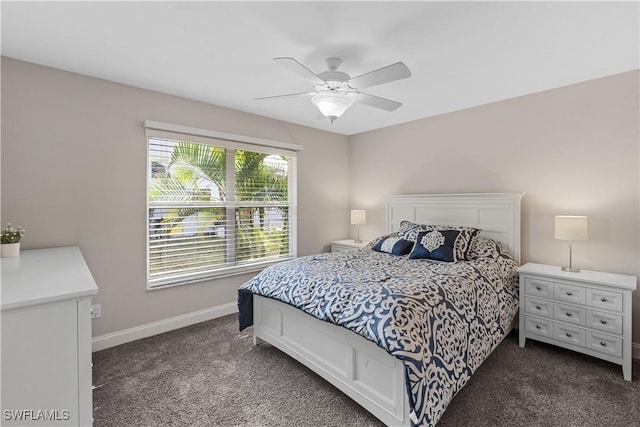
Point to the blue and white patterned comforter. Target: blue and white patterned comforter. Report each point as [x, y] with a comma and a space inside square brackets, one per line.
[441, 319]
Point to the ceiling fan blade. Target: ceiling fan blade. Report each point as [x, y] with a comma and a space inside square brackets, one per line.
[382, 75]
[289, 95]
[300, 70]
[377, 102]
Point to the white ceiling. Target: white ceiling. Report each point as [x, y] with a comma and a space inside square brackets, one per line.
[461, 54]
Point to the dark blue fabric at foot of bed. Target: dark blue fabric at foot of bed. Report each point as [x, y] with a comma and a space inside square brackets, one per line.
[245, 308]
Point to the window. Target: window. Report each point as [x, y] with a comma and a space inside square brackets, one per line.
[216, 206]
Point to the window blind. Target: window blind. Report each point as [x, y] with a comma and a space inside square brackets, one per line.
[216, 207]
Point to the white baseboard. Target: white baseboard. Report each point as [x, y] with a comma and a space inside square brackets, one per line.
[116, 338]
[121, 337]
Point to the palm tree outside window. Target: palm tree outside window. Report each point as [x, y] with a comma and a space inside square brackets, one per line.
[215, 209]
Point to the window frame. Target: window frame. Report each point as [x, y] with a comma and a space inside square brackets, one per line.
[160, 130]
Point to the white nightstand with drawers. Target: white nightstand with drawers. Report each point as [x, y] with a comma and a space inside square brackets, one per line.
[347, 245]
[588, 312]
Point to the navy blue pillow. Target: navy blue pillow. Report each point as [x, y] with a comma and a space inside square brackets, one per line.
[393, 245]
[439, 245]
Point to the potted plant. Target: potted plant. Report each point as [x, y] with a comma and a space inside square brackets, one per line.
[10, 241]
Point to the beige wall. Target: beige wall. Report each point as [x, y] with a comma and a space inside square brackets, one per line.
[572, 150]
[73, 173]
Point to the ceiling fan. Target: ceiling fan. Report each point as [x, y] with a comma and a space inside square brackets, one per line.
[335, 91]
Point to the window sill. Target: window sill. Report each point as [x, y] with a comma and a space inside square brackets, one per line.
[221, 274]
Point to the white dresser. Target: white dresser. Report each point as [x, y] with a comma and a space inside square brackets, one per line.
[46, 338]
[589, 311]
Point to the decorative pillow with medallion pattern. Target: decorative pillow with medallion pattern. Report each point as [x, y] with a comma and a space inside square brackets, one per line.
[439, 245]
[410, 231]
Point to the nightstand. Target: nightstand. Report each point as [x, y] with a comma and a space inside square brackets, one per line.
[588, 312]
[346, 245]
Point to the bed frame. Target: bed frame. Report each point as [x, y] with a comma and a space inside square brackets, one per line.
[363, 371]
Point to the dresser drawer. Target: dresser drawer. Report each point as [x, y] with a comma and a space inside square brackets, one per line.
[603, 343]
[539, 326]
[539, 307]
[538, 288]
[569, 293]
[604, 299]
[570, 313]
[607, 322]
[570, 334]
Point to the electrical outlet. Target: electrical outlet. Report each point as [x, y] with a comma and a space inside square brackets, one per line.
[96, 311]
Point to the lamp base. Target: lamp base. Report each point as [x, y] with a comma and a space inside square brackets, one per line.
[571, 269]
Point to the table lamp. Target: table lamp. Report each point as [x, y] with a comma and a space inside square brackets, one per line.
[358, 217]
[571, 228]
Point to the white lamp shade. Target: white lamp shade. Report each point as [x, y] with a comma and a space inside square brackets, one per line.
[332, 104]
[571, 227]
[358, 216]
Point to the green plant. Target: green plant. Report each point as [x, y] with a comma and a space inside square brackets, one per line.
[11, 235]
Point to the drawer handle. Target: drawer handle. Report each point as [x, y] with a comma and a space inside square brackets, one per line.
[602, 343]
[537, 326]
[568, 335]
[568, 314]
[603, 299]
[604, 322]
[538, 288]
[569, 293]
[538, 307]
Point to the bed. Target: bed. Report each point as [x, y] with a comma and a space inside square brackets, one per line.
[399, 336]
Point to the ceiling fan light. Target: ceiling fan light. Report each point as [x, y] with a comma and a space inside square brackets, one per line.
[332, 105]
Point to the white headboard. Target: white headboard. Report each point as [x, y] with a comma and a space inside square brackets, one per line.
[496, 214]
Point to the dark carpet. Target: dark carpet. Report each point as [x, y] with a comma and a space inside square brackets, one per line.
[210, 374]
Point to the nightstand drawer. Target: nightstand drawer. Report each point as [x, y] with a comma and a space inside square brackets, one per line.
[569, 334]
[569, 293]
[539, 307]
[604, 299]
[607, 322]
[570, 313]
[539, 326]
[604, 343]
[538, 288]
